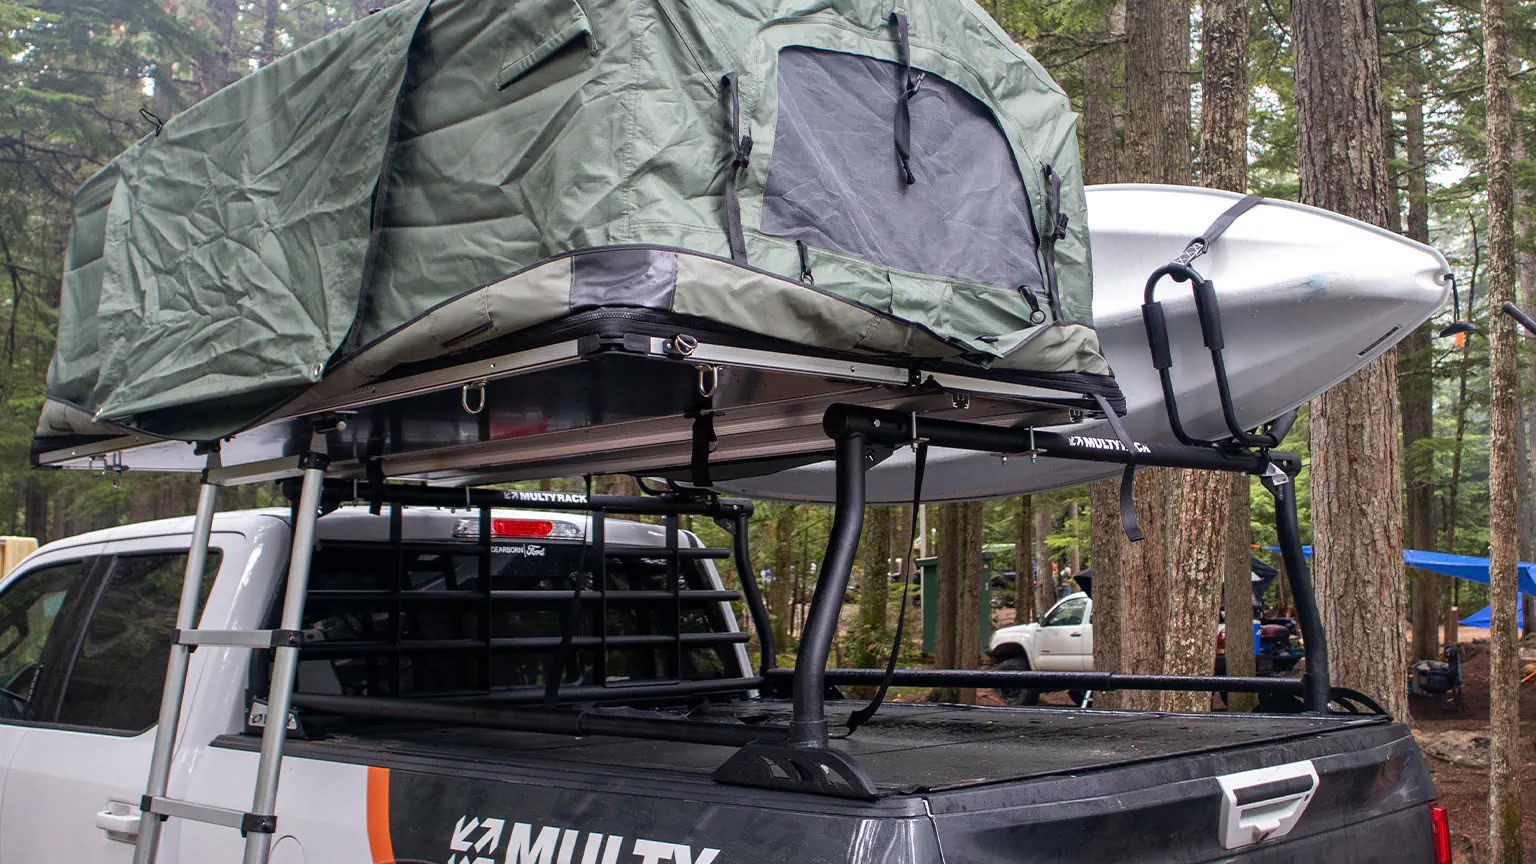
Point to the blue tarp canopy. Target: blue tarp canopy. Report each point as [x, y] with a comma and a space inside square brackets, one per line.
[1480, 618]
[1458, 566]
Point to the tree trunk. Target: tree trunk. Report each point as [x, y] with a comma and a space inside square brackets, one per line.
[1505, 844]
[1416, 390]
[780, 589]
[1200, 538]
[1157, 98]
[1075, 554]
[1045, 576]
[1357, 484]
[1105, 551]
[1024, 561]
[1100, 143]
[1237, 592]
[968, 594]
[950, 542]
[213, 69]
[875, 556]
[1526, 261]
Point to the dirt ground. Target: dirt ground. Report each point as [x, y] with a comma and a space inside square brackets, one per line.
[1454, 739]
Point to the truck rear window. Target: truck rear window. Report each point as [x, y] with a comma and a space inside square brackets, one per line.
[438, 619]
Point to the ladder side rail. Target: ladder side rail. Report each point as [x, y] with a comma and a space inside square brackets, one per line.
[147, 845]
[258, 844]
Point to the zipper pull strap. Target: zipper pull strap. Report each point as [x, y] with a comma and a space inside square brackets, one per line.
[1055, 229]
[909, 87]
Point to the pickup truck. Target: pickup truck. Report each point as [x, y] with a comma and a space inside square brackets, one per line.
[85, 627]
[1062, 641]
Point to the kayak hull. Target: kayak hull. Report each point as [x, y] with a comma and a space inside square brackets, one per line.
[1307, 298]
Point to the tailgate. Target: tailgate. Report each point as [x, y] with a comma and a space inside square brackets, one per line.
[1369, 805]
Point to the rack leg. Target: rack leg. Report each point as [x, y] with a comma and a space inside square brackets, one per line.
[1315, 681]
[148, 842]
[808, 726]
[258, 846]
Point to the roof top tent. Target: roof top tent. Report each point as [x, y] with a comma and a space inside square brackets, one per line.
[441, 221]
[471, 242]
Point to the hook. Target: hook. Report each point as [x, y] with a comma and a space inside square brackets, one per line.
[713, 375]
[464, 397]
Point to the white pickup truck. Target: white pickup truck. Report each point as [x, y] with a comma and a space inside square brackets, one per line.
[444, 628]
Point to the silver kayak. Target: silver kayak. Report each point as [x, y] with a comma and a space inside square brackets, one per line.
[1307, 298]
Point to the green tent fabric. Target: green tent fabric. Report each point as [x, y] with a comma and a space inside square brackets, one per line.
[445, 172]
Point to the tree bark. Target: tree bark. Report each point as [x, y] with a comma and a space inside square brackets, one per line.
[968, 593]
[1505, 844]
[875, 558]
[1357, 485]
[1157, 98]
[946, 640]
[1045, 577]
[1525, 260]
[213, 69]
[1237, 592]
[1200, 538]
[1024, 561]
[780, 599]
[1105, 555]
[1101, 163]
[1416, 390]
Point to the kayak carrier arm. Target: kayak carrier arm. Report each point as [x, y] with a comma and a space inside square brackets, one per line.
[805, 761]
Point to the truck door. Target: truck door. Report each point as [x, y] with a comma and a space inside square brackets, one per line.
[37, 602]
[1058, 643]
[74, 784]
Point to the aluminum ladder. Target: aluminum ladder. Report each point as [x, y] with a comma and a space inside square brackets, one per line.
[258, 824]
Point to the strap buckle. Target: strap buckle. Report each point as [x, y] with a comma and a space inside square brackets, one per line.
[1195, 249]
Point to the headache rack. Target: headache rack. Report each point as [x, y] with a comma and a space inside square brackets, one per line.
[692, 410]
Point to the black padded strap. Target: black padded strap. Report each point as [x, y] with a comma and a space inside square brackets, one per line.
[1055, 229]
[1199, 245]
[904, 101]
[741, 156]
[863, 715]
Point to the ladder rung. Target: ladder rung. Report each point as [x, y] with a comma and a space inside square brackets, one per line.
[239, 819]
[239, 638]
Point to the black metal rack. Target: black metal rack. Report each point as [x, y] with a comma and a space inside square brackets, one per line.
[591, 590]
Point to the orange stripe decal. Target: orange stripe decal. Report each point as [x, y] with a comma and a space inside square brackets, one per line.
[379, 844]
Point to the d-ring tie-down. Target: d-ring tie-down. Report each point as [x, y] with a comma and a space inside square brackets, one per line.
[710, 374]
[479, 387]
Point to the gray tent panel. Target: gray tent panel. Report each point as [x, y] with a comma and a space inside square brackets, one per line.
[835, 181]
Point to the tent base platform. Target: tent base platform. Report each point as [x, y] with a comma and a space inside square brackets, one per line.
[614, 399]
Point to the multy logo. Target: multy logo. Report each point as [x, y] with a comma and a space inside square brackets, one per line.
[477, 841]
[1104, 444]
[546, 497]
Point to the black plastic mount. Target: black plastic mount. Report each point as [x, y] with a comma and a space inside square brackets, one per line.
[820, 770]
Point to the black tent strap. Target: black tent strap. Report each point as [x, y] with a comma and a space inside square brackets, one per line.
[861, 716]
[1055, 229]
[1200, 244]
[741, 156]
[909, 87]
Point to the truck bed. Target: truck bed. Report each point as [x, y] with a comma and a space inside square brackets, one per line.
[906, 749]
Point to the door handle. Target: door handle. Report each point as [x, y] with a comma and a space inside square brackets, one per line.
[120, 820]
[1075, 635]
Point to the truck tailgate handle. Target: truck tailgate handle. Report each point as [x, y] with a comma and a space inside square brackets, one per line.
[120, 820]
[1264, 803]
